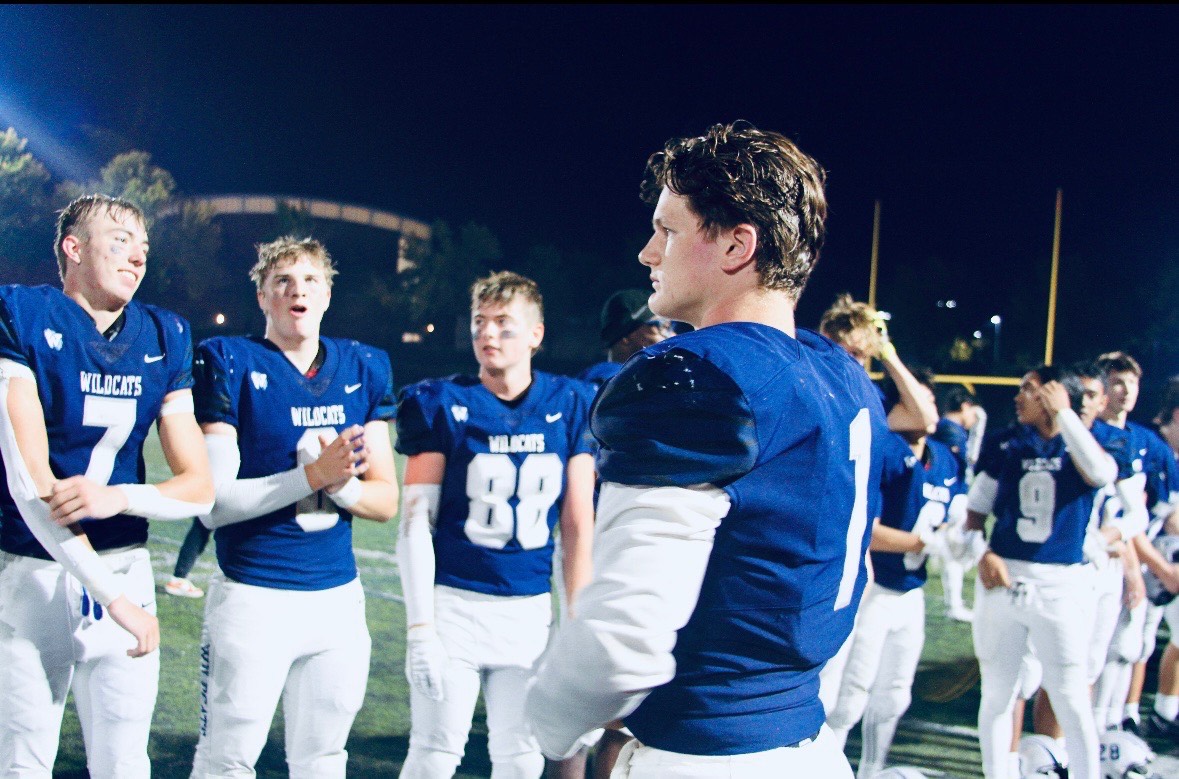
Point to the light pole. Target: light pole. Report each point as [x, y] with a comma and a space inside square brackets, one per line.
[997, 321]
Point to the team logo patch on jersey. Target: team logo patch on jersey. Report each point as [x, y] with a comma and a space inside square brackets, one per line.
[54, 339]
[552, 417]
[459, 413]
[259, 380]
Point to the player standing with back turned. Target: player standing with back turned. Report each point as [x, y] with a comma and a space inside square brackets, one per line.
[738, 463]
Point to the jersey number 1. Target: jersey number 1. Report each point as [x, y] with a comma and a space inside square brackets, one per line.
[492, 480]
[860, 453]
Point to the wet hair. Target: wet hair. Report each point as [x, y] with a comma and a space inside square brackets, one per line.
[955, 397]
[736, 174]
[852, 325]
[288, 249]
[1119, 362]
[892, 394]
[75, 220]
[1068, 377]
[502, 287]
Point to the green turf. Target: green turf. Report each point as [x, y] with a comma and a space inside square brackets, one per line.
[379, 738]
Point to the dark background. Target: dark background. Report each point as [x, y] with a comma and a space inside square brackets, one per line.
[536, 123]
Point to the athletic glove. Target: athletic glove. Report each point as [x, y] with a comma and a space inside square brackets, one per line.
[965, 546]
[937, 543]
[425, 661]
[887, 350]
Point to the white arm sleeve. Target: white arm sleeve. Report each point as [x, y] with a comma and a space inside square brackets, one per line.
[651, 548]
[145, 500]
[1134, 518]
[241, 499]
[1095, 465]
[69, 550]
[415, 551]
[981, 498]
[974, 438]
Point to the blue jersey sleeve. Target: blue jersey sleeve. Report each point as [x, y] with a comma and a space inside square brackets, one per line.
[10, 346]
[581, 440]
[673, 419]
[215, 395]
[990, 457]
[422, 424]
[384, 401]
[897, 459]
[176, 336]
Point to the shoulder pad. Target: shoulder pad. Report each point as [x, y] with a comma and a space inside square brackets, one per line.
[672, 418]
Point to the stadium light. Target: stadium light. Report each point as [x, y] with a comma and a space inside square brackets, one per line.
[996, 320]
[219, 319]
[429, 328]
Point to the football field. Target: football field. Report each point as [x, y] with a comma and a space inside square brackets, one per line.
[937, 734]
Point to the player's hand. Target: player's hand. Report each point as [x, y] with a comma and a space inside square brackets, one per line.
[338, 460]
[425, 661]
[139, 623]
[936, 543]
[78, 498]
[966, 546]
[992, 571]
[888, 351]
[1134, 587]
[1053, 397]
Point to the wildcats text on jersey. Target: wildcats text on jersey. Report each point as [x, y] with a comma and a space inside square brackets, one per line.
[317, 416]
[118, 385]
[1038, 464]
[511, 444]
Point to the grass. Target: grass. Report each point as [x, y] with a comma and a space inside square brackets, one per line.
[932, 736]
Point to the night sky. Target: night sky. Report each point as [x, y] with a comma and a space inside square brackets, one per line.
[537, 122]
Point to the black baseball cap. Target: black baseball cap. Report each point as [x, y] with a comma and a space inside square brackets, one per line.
[624, 312]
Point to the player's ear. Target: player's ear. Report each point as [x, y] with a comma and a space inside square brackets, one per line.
[536, 336]
[740, 245]
[71, 247]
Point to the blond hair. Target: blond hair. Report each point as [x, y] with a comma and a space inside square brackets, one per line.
[502, 287]
[852, 325]
[289, 249]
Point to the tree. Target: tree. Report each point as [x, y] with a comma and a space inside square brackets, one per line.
[436, 290]
[26, 220]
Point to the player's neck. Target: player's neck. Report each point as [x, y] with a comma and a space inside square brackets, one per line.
[917, 444]
[104, 313]
[1048, 428]
[301, 352]
[773, 308]
[1117, 420]
[507, 383]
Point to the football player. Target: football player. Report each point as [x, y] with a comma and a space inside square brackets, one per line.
[922, 489]
[495, 462]
[1041, 477]
[960, 421]
[739, 464]
[84, 373]
[296, 428]
[628, 327]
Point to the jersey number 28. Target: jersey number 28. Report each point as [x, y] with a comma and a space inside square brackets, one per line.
[493, 480]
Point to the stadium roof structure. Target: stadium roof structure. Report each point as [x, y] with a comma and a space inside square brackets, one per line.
[319, 209]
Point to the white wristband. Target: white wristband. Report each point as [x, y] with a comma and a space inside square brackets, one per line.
[145, 500]
[349, 495]
[178, 405]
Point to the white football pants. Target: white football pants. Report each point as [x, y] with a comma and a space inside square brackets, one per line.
[53, 636]
[1108, 586]
[820, 758]
[493, 641]
[1052, 607]
[259, 643]
[878, 678]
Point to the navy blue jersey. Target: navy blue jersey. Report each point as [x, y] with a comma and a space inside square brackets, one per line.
[600, 373]
[791, 430]
[1154, 459]
[918, 498]
[250, 384]
[100, 397]
[1043, 506]
[954, 436]
[504, 478]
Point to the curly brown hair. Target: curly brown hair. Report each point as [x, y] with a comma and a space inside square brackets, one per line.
[736, 174]
[288, 249]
